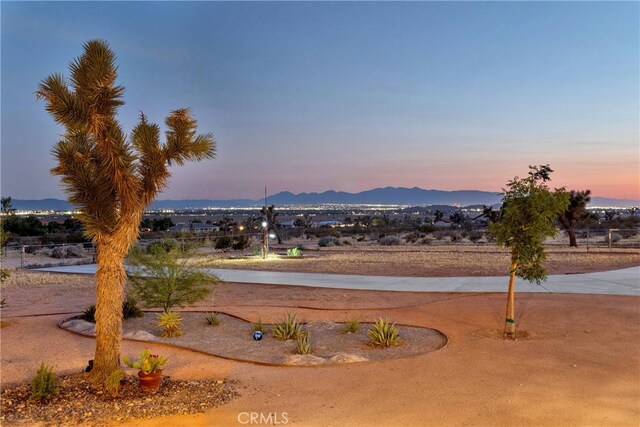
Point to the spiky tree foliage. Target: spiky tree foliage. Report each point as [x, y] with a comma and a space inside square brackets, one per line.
[575, 211]
[111, 178]
[529, 211]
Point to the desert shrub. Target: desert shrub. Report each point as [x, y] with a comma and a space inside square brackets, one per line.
[258, 326]
[346, 242]
[75, 251]
[31, 249]
[240, 242]
[296, 251]
[4, 274]
[360, 238]
[223, 242]
[475, 235]
[58, 252]
[384, 334]
[163, 245]
[171, 324]
[167, 279]
[212, 319]
[89, 314]
[351, 326]
[628, 233]
[455, 236]
[303, 343]
[328, 241]
[287, 329]
[130, 309]
[390, 241]
[44, 384]
[411, 237]
[426, 241]
[112, 383]
[427, 228]
[615, 237]
[439, 234]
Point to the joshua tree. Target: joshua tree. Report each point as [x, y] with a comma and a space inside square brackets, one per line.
[575, 211]
[112, 179]
[7, 205]
[528, 216]
[270, 214]
[633, 211]
[438, 214]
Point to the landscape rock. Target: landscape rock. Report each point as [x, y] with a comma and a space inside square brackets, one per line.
[347, 358]
[80, 326]
[140, 335]
[304, 359]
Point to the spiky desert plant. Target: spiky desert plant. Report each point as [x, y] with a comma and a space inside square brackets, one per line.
[112, 178]
[288, 329]
[351, 326]
[383, 333]
[258, 326]
[303, 343]
[212, 319]
[171, 324]
[44, 384]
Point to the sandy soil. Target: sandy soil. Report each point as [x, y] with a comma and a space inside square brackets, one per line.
[430, 262]
[579, 364]
[233, 339]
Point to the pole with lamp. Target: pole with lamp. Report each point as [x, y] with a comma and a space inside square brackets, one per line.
[265, 243]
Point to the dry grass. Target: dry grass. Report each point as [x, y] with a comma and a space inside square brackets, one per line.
[36, 279]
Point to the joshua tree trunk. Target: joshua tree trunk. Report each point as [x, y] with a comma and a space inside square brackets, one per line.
[510, 321]
[110, 278]
[572, 237]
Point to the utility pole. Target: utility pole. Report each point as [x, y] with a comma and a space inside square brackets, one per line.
[265, 226]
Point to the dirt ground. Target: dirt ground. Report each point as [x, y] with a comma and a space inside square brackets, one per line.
[578, 363]
[429, 262]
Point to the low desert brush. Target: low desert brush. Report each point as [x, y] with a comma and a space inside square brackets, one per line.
[212, 319]
[384, 334]
[351, 326]
[44, 384]
[303, 344]
[171, 323]
[288, 329]
[112, 383]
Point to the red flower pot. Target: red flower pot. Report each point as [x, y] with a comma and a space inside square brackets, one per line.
[150, 382]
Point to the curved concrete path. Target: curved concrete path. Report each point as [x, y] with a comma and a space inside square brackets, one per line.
[616, 282]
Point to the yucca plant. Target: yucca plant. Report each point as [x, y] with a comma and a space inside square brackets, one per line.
[384, 334]
[303, 344]
[288, 329]
[44, 384]
[171, 323]
[351, 326]
[212, 319]
[258, 326]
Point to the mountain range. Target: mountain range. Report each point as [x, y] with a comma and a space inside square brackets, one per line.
[379, 196]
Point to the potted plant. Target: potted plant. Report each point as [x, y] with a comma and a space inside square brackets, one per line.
[149, 368]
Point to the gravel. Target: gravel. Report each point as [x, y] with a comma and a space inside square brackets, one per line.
[79, 403]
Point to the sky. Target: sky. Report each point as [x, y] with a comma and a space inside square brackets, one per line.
[307, 97]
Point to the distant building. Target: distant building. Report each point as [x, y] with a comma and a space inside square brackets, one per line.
[194, 228]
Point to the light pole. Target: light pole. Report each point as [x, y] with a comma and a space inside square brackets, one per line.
[265, 242]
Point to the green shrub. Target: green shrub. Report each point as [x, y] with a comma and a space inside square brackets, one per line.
[240, 242]
[384, 334]
[166, 279]
[212, 319]
[4, 275]
[171, 324]
[303, 343]
[294, 251]
[223, 242]
[352, 326]
[288, 329]
[44, 384]
[162, 246]
[475, 235]
[112, 383]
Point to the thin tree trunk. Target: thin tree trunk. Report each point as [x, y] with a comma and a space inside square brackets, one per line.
[572, 237]
[110, 278]
[510, 320]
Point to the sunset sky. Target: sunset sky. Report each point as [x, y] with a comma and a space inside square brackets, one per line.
[347, 96]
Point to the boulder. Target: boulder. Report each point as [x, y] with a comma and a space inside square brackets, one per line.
[140, 335]
[304, 359]
[347, 358]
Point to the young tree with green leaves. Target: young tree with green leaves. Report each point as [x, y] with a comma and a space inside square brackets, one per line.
[529, 213]
[165, 275]
[112, 178]
[574, 212]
